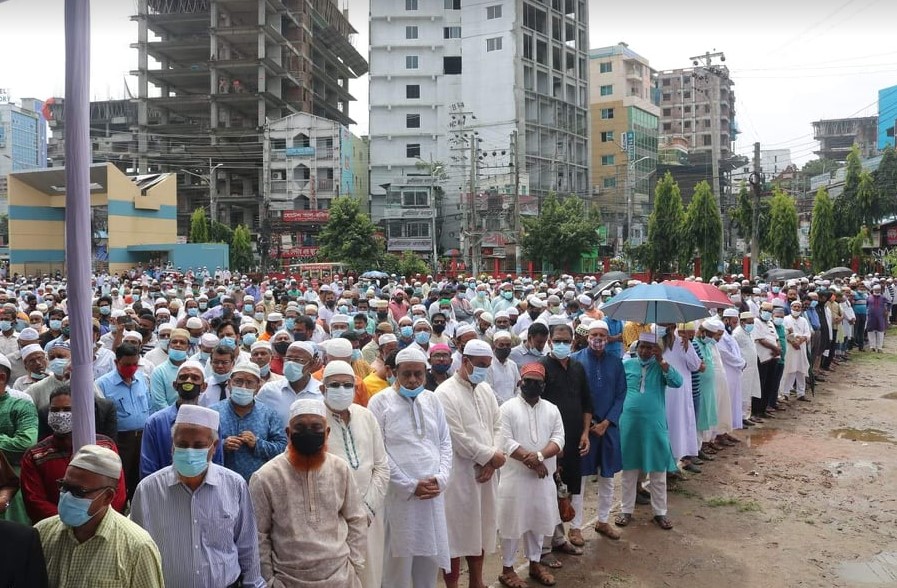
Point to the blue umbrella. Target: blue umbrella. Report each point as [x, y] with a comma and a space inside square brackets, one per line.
[375, 275]
[655, 303]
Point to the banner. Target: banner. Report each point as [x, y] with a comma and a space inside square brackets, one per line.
[305, 216]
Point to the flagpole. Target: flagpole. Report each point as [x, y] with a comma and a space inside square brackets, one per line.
[77, 217]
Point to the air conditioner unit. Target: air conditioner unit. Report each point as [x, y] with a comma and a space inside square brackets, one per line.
[278, 174]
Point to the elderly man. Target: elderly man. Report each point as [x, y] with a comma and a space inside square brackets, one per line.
[378, 379]
[311, 521]
[88, 543]
[199, 514]
[643, 428]
[766, 342]
[261, 355]
[372, 351]
[750, 377]
[341, 350]
[162, 391]
[251, 432]
[41, 388]
[357, 439]
[300, 361]
[797, 364]
[503, 373]
[35, 361]
[18, 432]
[533, 434]
[733, 364]
[471, 411]
[418, 444]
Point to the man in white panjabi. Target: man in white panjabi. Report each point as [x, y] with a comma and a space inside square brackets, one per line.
[355, 436]
[473, 417]
[715, 329]
[527, 497]
[734, 364]
[419, 449]
[797, 365]
[750, 377]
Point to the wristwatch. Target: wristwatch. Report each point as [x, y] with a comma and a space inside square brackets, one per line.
[540, 457]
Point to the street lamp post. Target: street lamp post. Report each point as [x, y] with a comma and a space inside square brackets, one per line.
[630, 187]
[213, 192]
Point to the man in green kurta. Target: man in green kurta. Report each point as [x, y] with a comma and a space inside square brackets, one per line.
[18, 432]
[707, 416]
[644, 437]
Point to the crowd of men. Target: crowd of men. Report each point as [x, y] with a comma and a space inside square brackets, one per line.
[290, 433]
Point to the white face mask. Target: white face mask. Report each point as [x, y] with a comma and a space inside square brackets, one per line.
[339, 397]
[795, 313]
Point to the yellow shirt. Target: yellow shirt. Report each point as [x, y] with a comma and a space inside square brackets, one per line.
[631, 331]
[374, 383]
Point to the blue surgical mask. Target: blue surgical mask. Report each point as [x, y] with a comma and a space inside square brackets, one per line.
[337, 333]
[5, 325]
[177, 354]
[259, 316]
[249, 339]
[192, 311]
[292, 371]
[647, 362]
[343, 309]
[105, 310]
[163, 344]
[265, 370]
[203, 305]
[289, 323]
[560, 350]
[777, 321]
[204, 355]
[230, 342]
[748, 327]
[56, 324]
[57, 366]
[194, 340]
[241, 396]
[408, 393]
[190, 462]
[21, 325]
[775, 289]
[507, 295]
[73, 511]
[248, 308]
[356, 354]
[391, 380]
[765, 315]
[814, 303]
[406, 332]
[422, 337]
[478, 375]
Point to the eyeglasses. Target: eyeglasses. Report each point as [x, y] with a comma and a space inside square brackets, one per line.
[241, 383]
[297, 360]
[76, 491]
[221, 362]
[337, 386]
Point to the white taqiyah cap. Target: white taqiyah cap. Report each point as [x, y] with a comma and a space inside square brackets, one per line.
[730, 312]
[714, 325]
[5, 362]
[29, 334]
[192, 414]
[194, 322]
[647, 338]
[306, 346]
[29, 350]
[477, 348]
[209, 340]
[338, 368]
[132, 335]
[746, 315]
[274, 317]
[339, 318]
[339, 348]
[387, 338]
[498, 336]
[598, 324]
[192, 363]
[308, 406]
[464, 329]
[166, 328]
[99, 460]
[260, 345]
[411, 355]
[247, 368]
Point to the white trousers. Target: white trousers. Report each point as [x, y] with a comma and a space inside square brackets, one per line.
[605, 501]
[876, 339]
[658, 483]
[410, 572]
[372, 574]
[794, 381]
[532, 549]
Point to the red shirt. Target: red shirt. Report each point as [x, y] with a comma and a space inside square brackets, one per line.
[276, 364]
[43, 465]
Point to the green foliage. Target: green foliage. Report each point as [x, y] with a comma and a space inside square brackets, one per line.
[348, 236]
[743, 213]
[411, 264]
[563, 231]
[847, 208]
[220, 233]
[668, 241]
[868, 206]
[390, 263]
[241, 256]
[782, 235]
[855, 243]
[819, 166]
[886, 182]
[823, 245]
[199, 226]
[705, 228]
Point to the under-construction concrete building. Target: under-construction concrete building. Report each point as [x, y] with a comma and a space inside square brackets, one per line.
[212, 73]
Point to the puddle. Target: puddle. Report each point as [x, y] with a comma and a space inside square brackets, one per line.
[760, 437]
[891, 396]
[880, 570]
[868, 435]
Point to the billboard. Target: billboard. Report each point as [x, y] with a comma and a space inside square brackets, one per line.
[299, 252]
[305, 216]
[300, 151]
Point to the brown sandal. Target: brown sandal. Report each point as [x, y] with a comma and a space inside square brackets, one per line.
[512, 580]
[623, 519]
[663, 522]
[550, 561]
[541, 575]
[567, 548]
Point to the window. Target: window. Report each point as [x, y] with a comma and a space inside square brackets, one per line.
[417, 229]
[607, 90]
[607, 159]
[610, 182]
[687, 110]
[606, 67]
[451, 66]
[707, 140]
[527, 46]
[686, 94]
[412, 91]
[667, 97]
[411, 62]
[453, 4]
[412, 121]
[493, 44]
[278, 144]
[607, 136]
[410, 4]
[666, 82]
[412, 150]
[667, 126]
[688, 124]
[415, 198]
[667, 112]
[410, 32]
[451, 32]
[493, 12]
[607, 113]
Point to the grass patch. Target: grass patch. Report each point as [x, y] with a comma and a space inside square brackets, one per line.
[683, 491]
[870, 358]
[740, 505]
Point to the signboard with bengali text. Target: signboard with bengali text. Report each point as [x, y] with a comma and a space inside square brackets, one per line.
[305, 216]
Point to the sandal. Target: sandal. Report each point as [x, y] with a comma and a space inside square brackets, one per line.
[541, 575]
[623, 519]
[567, 548]
[550, 561]
[606, 530]
[512, 580]
[663, 522]
[731, 439]
[575, 537]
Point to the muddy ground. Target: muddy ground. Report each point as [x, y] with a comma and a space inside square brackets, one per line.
[808, 499]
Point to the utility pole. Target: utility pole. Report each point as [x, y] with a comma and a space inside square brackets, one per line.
[756, 181]
[474, 229]
[515, 209]
[465, 142]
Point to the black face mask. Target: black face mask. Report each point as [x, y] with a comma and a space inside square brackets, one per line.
[307, 442]
[532, 389]
[144, 332]
[281, 347]
[300, 337]
[438, 329]
[187, 391]
[330, 303]
[534, 314]
[382, 315]
[502, 353]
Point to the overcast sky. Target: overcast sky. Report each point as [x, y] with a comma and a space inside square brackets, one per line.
[792, 62]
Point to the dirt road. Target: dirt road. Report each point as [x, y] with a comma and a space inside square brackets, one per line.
[809, 499]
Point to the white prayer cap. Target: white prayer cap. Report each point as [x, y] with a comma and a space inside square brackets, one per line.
[99, 460]
[413, 355]
[554, 300]
[191, 363]
[499, 335]
[487, 317]
[308, 406]
[730, 312]
[165, 328]
[647, 338]
[132, 335]
[418, 308]
[584, 300]
[755, 291]
[194, 322]
[247, 325]
[248, 298]
[797, 303]
[746, 315]
[193, 414]
[29, 334]
[339, 348]
[420, 321]
[502, 314]
[306, 346]
[513, 311]
[261, 345]
[29, 350]
[387, 338]
[5, 362]
[535, 302]
[339, 318]
[117, 313]
[556, 320]
[274, 317]
[464, 329]
[598, 324]
[209, 340]
[477, 348]
[338, 368]
[713, 325]
[247, 368]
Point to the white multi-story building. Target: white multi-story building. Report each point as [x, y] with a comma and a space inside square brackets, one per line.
[449, 74]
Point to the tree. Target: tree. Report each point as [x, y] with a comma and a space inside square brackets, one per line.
[411, 264]
[819, 167]
[199, 226]
[705, 229]
[241, 256]
[867, 202]
[823, 242]
[886, 182]
[348, 236]
[220, 233]
[784, 244]
[668, 241]
[846, 209]
[563, 231]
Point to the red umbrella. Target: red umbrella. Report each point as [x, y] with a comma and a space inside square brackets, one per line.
[710, 296]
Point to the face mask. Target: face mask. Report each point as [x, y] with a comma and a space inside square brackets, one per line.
[561, 350]
[289, 323]
[177, 354]
[502, 353]
[381, 315]
[391, 380]
[339, 398]
[478, 375]
[439, 329]
[136, 297]
[441, 368]
[21, 325]
[748, 328]
[554, 309]
[190, 462]
[410, 393]
[765, 315]
[422, 337]
[38, 377]
[247, 308]
[144, 332]
[241, 396]
[60, 422]
[56, 324]
[187, 390]
[596, 344]
[531, 389]
[406, 332]
[249, 339]
[344, 309]
[307, 442]
[229, 342]
[777, 321]
[259, 316]
[281, 347]
[814, 303]
[534, 314]
[337, 333]
[57, 366]
[795, 313]
[736, 298]
[646, 362]
[776, 289]
[660, 331]
[127, 372]
[507, 295]
[203, 305]
[105, 310]
[332, 303]
[73, 511]
[5, 325]
[192, 311]
[204, 355]
[293, 371]
[264, 370]
[163, 344]
[356, 354]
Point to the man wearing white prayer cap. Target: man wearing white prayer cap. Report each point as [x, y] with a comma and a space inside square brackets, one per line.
[417, 439]
[126, 555]
[281, 490]
[182, 502]
[474, 420]
[301, 360]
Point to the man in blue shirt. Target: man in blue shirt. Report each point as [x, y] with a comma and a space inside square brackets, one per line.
[128, 389]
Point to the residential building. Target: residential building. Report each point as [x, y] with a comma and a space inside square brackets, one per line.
[452, 82]
[887, 116]
[623, 103]
[23, 140]
[309, 161]
[773, 162]
[838, 136]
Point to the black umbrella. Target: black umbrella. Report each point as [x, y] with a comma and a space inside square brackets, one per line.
[837, 272]
[778, 274]
[622, 276]
[602, 286]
